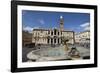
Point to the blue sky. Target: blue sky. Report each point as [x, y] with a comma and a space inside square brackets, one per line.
[43, 19]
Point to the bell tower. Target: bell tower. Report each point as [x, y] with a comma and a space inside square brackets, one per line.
[61, 23]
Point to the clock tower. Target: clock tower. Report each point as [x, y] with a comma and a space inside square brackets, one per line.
[61, 23]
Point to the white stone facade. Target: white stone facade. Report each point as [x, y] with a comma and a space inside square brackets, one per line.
[54, 36]
[83, 37]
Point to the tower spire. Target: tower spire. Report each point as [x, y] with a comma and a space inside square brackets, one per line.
[61, 17]
[61, 23]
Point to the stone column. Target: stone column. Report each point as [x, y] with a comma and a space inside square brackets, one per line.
[59, 40]
[53, 40]
[53, 32]
[50, 33]
[56, 40]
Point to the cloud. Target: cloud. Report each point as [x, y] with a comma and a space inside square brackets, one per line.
[36, 28]
[41, 21]
[27, 28]
[85, 26]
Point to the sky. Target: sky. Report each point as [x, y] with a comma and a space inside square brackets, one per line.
[77, 22]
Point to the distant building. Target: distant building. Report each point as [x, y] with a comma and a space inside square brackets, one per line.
[83, 37]
[52, 36]
[27, 38]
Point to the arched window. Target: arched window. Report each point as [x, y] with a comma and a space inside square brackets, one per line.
[48, 41]
[55, 31]
[58, 40]
[58, 32]
[51, 41]
[51, 32]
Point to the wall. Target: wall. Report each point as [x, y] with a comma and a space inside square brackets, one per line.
[5, 36]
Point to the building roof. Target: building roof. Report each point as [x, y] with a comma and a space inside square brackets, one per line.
[51, 29]
[84, 31]
[67, 31]
[40, 29]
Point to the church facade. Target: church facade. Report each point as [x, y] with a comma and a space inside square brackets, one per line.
[53, 36]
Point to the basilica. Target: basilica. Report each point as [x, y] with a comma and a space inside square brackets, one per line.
[53, 36]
